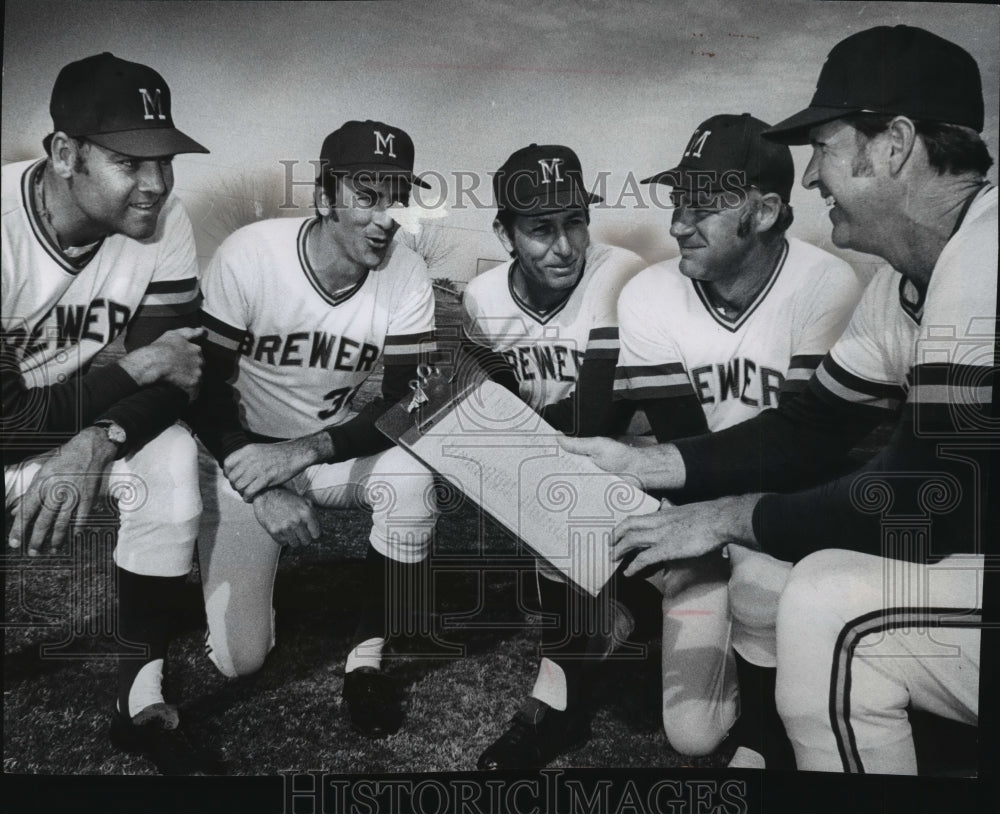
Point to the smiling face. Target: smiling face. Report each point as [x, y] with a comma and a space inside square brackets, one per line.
[550, 249]
[361, 226]
[118, 194]
[713, 236]
[842, 170]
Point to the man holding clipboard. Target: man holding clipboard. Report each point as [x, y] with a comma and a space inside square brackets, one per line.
[544, 324]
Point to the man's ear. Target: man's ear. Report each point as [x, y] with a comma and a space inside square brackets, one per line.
[65, 151]
[324, 206]
[902, 135]
[501, 232]
[768, 210]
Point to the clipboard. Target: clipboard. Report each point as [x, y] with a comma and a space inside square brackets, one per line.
[502, 455]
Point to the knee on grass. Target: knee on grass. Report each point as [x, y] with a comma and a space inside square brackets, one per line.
[692, 730]
[236, 660]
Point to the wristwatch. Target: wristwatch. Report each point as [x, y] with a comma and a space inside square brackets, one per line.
[114, 432]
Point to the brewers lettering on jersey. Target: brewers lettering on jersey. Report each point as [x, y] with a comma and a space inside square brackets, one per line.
[95, 247]
[304, 353]
[299, 312]
[546, 350]
[674, 343]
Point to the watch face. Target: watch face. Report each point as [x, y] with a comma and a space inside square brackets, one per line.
[114, 432]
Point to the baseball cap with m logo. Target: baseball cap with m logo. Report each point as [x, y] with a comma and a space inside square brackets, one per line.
[121, 105]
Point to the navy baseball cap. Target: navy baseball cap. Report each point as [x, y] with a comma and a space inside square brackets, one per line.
[121, 105]
[898, 70]
[541, 178]
[727, 152]
[369, 147]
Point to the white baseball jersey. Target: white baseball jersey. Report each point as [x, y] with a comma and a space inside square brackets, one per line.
[546, 351]
[303, 353]
[675, 343]
[59, 311]
[932, 360]
[893, 331]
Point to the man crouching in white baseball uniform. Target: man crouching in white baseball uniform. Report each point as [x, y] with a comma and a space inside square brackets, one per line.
[734, 326]
[544, 325]
[883, 610]
[298, 313]
[95, 246]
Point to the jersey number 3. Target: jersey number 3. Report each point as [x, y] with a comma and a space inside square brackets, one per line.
[338, 399]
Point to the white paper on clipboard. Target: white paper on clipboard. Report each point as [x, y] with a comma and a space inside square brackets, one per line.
[501, 454]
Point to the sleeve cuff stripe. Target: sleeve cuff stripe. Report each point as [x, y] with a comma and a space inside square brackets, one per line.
[610, 332]
[646, 393]
[855, 396]
[400, 359]
[222, 328]
[670, 369]
[657, 381]
[414, 349]
[806, 360]
[409, 339]
[159, 311]
[222, 341]
[170, 299]
[956, 375]
[830, 371]
[601, 353]
[173, 286]
[951, 394]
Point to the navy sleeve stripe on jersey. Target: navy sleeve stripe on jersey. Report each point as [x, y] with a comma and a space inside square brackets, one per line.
[640, 393]
[602, 343]
[157, 310]
[803, 366]
[172, 292]
[652, 381]
[965, 385]
[188, 284]
[598, 352]
[633, 371]
[409, 349]
[848, 387]
[221, 333]
[605, 332]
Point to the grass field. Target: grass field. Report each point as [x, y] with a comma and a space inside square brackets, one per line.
[462, 688]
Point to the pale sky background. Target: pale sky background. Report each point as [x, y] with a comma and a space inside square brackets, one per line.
[622, 83]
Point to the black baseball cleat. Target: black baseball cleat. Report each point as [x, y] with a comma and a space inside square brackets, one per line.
[374, 702]
[157, 734]
[537, 735]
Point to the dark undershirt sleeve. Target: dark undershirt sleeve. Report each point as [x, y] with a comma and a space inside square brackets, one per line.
[215, 414]
[590, 410]
[472, 358]
[34, 420]
[149, 411]
[674, 418]
[359, 436]
[804, 442]
[919, 499]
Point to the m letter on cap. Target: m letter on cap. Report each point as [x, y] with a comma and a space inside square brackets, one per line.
[550, 169]
[152, 105]
[697, 144]
[384, 141]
